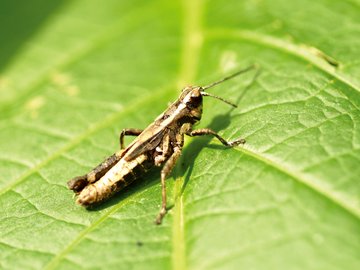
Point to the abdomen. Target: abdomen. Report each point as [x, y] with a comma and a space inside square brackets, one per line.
[119, 176]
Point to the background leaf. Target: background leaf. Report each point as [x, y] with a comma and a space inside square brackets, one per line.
[74, 73]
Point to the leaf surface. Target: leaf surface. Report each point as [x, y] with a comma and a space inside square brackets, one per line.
[74, 73]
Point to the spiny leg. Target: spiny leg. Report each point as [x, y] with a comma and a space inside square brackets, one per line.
[169, 165]
[128, 132]
[78, 183]
[207, 131]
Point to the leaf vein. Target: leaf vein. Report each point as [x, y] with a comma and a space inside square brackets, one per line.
[301, 178]
[302, 52]
[56, 260]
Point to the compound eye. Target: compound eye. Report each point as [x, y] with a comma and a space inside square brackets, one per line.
[194, 101]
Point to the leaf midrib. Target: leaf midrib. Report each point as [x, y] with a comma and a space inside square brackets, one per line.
[191, 48]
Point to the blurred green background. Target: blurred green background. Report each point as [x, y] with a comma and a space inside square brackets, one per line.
[73, 74]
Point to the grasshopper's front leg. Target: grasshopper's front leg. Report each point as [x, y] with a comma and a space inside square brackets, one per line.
[207, 131]
[128, 132]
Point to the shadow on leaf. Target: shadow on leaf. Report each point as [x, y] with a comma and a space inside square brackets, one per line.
[19, 21]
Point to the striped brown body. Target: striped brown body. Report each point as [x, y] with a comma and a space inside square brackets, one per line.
[119, 176]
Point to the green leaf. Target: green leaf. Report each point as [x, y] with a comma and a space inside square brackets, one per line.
[73, 74]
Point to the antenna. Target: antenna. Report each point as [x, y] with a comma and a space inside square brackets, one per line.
[229, 77]
[203, 93]
[217, 97]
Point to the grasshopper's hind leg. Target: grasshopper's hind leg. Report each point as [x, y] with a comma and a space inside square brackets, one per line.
[208, 131]
[78, 183]
[128, 132]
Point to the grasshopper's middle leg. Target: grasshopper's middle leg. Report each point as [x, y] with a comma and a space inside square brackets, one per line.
[128, 132]
[169, 165]
[208, 131]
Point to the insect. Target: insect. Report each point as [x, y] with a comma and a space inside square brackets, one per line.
[160, 144]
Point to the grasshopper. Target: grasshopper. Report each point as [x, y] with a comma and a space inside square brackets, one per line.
[160, 144]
